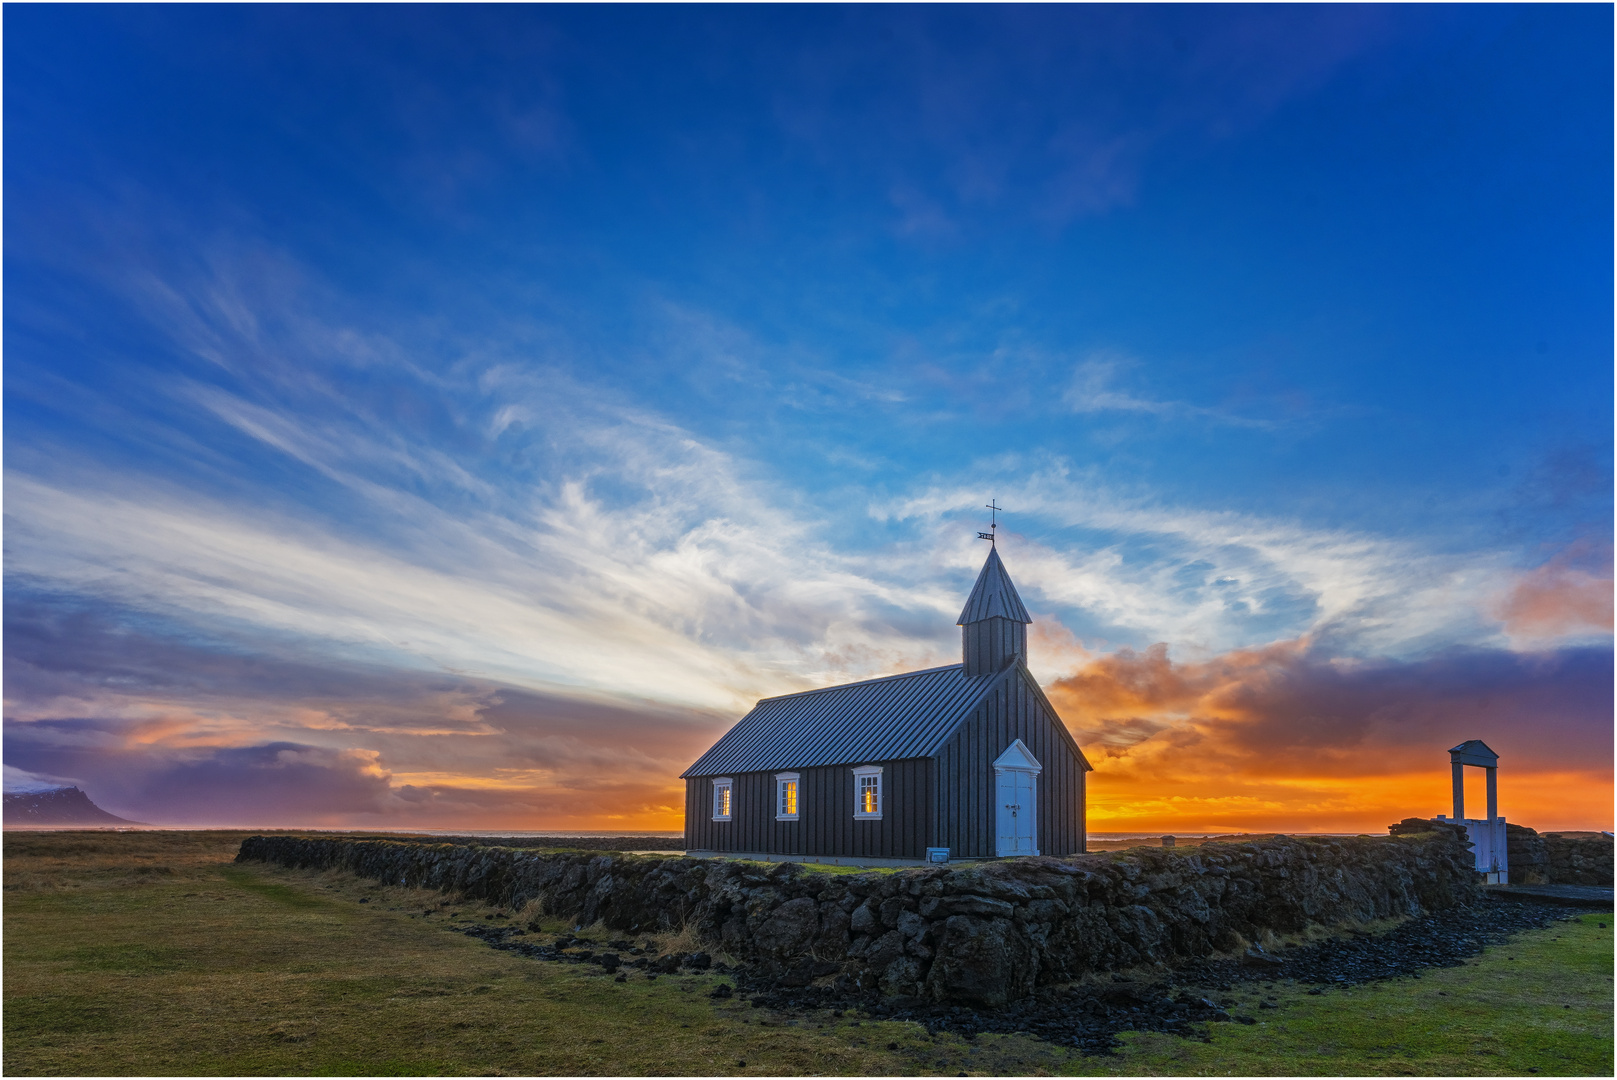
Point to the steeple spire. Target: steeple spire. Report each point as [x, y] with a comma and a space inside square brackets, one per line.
[994, 596]
[994, 621]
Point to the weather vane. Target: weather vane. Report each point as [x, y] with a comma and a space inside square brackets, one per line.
[993, 523]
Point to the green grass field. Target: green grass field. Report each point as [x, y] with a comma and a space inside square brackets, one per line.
[152, 953]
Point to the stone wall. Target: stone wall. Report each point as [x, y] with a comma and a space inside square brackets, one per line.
[1578, 859]
[1529, 858]
[983, 933]
[1558, 858]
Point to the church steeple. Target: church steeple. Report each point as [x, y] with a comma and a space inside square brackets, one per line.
[994, 622]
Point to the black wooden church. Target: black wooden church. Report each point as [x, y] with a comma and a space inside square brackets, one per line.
[964, 761]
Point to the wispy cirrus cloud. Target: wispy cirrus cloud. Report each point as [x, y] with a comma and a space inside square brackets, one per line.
[1135, 569]
[676, 579]
[495, 583]
[1094, 389]
[444, 489]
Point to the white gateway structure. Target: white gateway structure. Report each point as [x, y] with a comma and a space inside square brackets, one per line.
[1487, 835]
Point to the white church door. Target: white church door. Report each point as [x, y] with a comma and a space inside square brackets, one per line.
[1016, 784]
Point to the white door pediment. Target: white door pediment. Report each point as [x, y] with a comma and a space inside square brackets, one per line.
[1017, 756]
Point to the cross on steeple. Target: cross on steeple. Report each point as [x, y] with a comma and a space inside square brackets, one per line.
[993, 523]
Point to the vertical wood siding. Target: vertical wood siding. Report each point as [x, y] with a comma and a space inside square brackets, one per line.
[986, 645]
[965, 779]
[826, 825]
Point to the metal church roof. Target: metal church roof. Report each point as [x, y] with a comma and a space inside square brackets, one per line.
[993, 596]
[900, 716]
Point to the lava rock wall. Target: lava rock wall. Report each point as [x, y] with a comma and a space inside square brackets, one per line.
[1529, 856]
[983, 934]
[1558, 858]
[1578, 860]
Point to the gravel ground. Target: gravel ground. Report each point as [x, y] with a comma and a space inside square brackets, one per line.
[1089, 1016]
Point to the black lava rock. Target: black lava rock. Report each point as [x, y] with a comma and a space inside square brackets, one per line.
[1089, 1017]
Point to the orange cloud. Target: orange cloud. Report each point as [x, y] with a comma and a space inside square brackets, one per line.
[1283, 738]
[1565, 595]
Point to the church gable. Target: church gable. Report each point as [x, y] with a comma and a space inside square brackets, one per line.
[1057, 724]
[1016, 710]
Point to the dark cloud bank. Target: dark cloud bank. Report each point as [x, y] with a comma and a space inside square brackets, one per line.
[1288, 707]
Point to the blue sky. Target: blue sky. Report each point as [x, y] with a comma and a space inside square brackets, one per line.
[424, 414]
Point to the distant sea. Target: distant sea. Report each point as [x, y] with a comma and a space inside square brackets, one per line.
[1202, 835]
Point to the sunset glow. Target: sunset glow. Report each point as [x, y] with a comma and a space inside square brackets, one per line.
[457, 417]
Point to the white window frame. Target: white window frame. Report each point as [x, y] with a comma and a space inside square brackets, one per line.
[781, 780]
[728, 801]
[859, 775]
